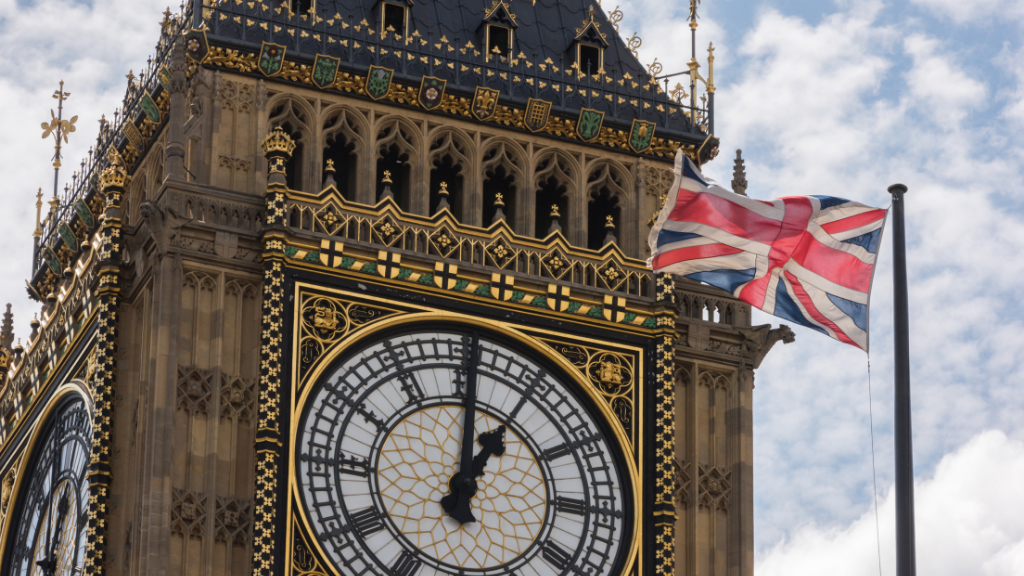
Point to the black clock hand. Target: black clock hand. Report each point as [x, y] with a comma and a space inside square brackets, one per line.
[463, 486]
[456, 504]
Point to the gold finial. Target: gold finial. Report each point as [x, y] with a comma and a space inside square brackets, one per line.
[609, 222]
[330, 165]
[693, 14]
[554, 211]
[58, 127]
[444, 188]
[711, 68]
[39, 212]
[499, 199]
[278, 141]
[654, 68]
[115, 174]
[387, 177]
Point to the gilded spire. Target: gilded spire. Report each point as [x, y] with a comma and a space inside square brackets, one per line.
[39, 213]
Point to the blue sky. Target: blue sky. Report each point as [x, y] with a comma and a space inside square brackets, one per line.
[825, 97]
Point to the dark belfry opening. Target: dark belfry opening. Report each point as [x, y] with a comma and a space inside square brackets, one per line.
[302, 6]
[551, 193]
[397, 164]
[446, 170]
[590, 59]
[498, 181]
[602, 205]
[499, 40]
[394, 18]
[343, 155]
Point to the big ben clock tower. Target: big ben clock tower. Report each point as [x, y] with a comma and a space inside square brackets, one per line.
[358, 287]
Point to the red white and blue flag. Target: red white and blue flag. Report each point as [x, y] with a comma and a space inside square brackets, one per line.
[808, 259]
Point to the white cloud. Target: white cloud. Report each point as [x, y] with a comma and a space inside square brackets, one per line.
[968, 521]
[962, 11]
[946, 92]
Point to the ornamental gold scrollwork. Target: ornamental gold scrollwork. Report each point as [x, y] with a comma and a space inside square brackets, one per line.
[304, 562]
[612, 375]
[325, 321]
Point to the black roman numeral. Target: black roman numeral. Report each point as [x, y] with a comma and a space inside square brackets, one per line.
[367, 522]
[354, 466]
[407, 565]
[556, 452]
[569, 505]
[411, 387]
[555, 555]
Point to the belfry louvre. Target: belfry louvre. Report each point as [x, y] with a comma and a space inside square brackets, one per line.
[359, 287]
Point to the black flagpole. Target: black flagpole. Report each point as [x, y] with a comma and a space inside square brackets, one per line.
[906, 564]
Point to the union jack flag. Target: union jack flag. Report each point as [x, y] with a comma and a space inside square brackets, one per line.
[808, 259]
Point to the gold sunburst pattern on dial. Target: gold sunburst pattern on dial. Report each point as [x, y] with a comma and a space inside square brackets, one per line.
[417, 460]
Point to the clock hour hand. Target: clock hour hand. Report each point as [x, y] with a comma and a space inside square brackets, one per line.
[462, 486]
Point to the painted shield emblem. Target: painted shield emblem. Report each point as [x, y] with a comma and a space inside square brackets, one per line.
[196, 46]
[431, 92]
[378, 82]
[84, 213]
[134, 136]
[325, 69]
[537, 113]
[51, 259]
[151, 109]
[640, 135]
[485, 102]
[68, 237]
[271, 58]
[164, 75]
[588, 127]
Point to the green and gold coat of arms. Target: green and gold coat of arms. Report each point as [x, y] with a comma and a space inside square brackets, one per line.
[151, 109]
[431, 92]
[588, 127]
[378, 82]
[196, 46]
[164, 75]
[51, 259]
[271, 58]
[325, 71]
[68, 237]
[84, 213]
[640, 135]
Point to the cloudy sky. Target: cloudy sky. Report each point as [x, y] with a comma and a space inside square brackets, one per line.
[836, 97]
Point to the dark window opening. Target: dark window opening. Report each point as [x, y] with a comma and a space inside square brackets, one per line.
[302, 6]
[397, 164]
[344, 158]
[499, 40]
[394, 18]
[590, 59]
[447, 171]
[602, 205]
[551, 193]
[496, 182]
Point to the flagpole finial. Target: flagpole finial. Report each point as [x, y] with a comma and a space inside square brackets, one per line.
[900, 188]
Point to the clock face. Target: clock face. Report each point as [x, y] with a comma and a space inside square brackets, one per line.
[394, 482]
[49, 530]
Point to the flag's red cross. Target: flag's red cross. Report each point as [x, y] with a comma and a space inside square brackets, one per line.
[789, 239]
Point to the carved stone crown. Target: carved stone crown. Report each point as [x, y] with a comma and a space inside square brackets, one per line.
[114, 176]
[278, 141]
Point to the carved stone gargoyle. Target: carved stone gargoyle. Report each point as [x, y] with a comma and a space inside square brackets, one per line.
[758, 341]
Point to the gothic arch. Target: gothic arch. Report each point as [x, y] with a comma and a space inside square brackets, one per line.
[398, 139]
[610, 179]
[340, 123]
[502, 156]
[296, 116]
[455, 144]
[555, 168]
[136, 196]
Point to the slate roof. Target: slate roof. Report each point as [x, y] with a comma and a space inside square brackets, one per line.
[546, 29]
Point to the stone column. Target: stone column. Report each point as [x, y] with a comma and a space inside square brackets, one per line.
[113, 183]
[277, 147]
[664, 513]
[175, 162]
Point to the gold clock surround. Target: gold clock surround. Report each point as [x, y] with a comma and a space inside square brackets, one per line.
[633, 454]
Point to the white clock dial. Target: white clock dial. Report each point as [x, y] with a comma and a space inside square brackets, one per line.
[391, 486]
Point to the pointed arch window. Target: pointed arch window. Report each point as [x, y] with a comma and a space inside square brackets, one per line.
[500, 24]
[588, 46]
[394, 16]
[302, 6]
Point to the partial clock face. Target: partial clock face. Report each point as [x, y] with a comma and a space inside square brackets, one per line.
[394, 482]
[50, 528]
